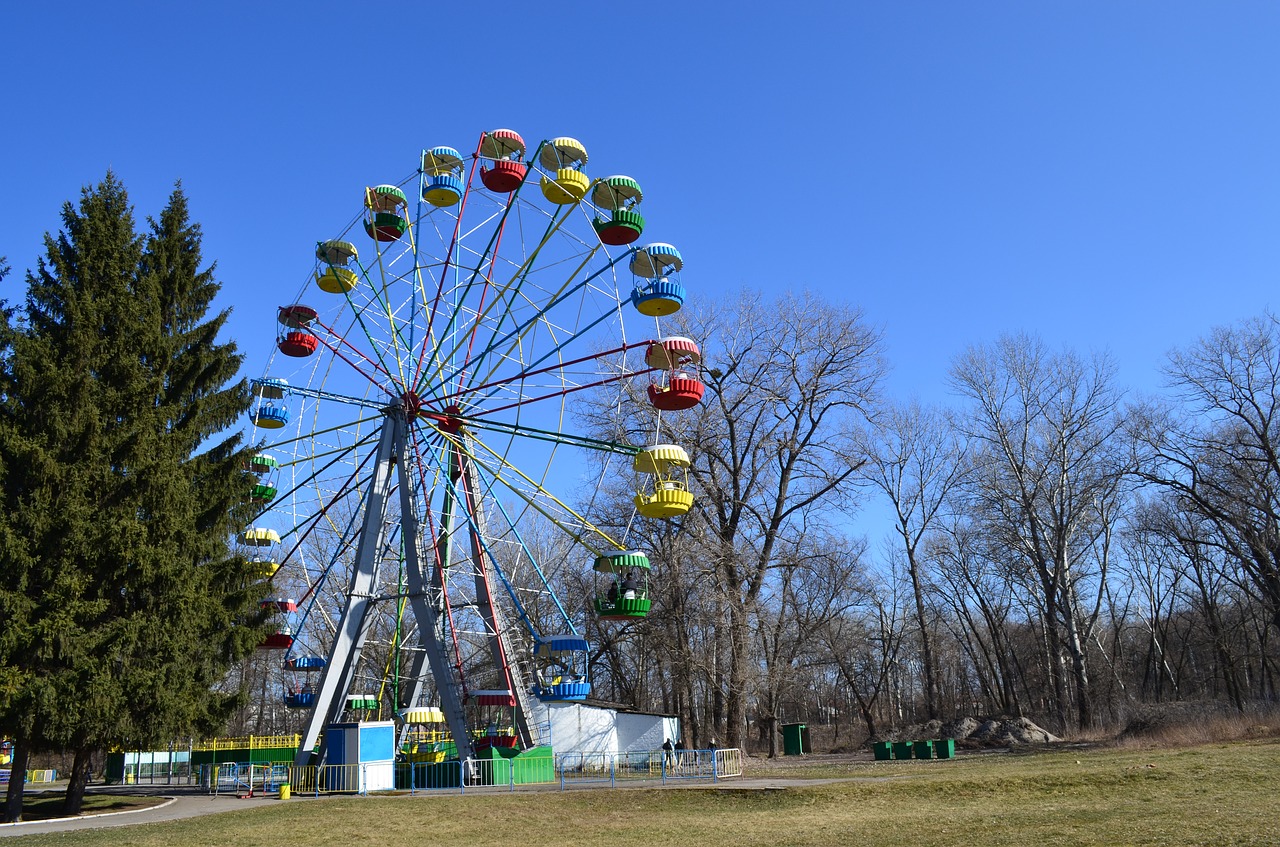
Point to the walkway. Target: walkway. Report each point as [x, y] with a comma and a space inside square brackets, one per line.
[184, 802]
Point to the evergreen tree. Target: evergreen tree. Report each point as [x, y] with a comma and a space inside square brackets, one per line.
[126, 603]
[53, 446]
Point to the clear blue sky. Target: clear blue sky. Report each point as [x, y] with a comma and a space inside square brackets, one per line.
[1104, 174]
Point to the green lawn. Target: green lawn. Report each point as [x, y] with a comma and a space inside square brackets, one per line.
[1220, 794]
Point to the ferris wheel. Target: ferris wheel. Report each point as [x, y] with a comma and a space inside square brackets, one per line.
[419, 432]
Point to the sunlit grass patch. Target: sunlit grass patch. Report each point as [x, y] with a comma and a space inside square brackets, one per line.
[1211, 794]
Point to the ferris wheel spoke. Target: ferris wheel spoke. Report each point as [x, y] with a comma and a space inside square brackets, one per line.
[453, 242]
[552, 436]
[358, 312]
[379, 293]
[480, 390]
[511, 288]
[542, 576]
[510, 293]
[479, 538]
[552, 395]
[560, 297]
[320, 394]
[484, 259]
[541, 494]
[338, 352]
[495, 239]
[343, 491]
[338, 455]
[342, 427]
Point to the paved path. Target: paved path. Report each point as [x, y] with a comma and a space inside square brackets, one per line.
[182, 802]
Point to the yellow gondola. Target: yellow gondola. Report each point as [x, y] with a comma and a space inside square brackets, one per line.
[667, 495]
[564, 157]
[335, 277]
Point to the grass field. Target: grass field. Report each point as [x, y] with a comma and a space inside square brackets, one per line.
[1220, 794]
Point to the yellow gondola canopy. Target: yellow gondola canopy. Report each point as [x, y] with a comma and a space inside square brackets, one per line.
[658, 458]
[259, 537]
[562, 153]
[422, 714]
[336, 252]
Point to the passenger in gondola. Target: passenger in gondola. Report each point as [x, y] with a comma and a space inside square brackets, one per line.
[630, 586]
[613, 591]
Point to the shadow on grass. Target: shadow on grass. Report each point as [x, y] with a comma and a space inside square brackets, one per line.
[48, 805]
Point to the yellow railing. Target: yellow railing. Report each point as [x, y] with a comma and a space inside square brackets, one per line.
[341, 779]
[427, 736]
[249, 742]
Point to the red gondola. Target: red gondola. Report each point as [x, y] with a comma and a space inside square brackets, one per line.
[683, 392]
[298, 343]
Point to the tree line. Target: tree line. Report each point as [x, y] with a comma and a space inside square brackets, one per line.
[1058, 548]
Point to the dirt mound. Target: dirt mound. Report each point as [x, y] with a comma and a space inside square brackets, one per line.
[992, 732]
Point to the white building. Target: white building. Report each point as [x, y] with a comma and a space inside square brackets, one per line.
[583, 728]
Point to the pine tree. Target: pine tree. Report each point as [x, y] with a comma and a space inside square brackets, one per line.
[194, 488]
[54, 451]
[121, 489]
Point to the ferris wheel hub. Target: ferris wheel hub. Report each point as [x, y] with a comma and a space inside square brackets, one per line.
[446, 420]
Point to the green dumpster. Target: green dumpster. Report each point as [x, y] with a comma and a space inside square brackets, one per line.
[902, 749]
[793, 739]
[923, 750]
[944, 748]
[883, 750]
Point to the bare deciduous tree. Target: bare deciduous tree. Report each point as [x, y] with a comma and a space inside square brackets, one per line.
[1220, 453]
[914, 459]
[786, 381]
[1048, 481]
